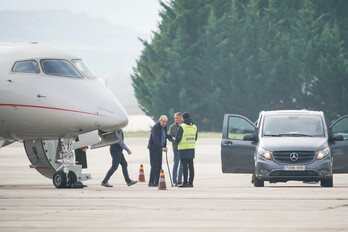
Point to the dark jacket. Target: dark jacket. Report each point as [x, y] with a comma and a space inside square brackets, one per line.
[186, 153]
[120, 145]
[156, 135]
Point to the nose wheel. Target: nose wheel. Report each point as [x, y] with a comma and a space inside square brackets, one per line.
[71, 180]
[63, 180]
[59, 179]
[63, 177]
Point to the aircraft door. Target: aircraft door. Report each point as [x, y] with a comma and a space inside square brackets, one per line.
[339, 149]
[237, 155]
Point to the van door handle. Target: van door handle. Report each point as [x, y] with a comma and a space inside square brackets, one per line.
[228, 143]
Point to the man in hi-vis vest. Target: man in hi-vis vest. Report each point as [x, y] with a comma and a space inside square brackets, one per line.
[186, 137]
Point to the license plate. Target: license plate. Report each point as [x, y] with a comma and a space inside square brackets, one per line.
[294, 168]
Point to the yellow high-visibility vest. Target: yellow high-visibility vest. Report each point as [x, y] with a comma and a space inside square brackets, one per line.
[188, 137]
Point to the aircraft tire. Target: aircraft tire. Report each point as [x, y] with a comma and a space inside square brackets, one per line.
[59, 179]
[72, 178]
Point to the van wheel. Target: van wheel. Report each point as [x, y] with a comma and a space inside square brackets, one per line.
[258, 182]
[327, 183]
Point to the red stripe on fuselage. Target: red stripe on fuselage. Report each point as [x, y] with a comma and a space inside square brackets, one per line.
[53, 108]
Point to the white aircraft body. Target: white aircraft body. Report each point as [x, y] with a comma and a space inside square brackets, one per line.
[50, 100]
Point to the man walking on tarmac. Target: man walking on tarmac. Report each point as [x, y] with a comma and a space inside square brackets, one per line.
[117, 159]
[177, 167]
[186, 138]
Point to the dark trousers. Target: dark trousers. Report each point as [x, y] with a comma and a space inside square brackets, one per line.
[80, 157]
[187, 164]
[117, 158]
[156, 164]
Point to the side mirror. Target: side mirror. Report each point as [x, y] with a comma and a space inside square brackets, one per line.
[250, 137]
[336, 138]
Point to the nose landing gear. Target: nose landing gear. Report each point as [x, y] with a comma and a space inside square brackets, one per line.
[65, 176]
[55, 160]
[62, 180]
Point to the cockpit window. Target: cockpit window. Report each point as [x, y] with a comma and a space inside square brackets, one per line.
[83, 68]
[26, 66]
[59, 68]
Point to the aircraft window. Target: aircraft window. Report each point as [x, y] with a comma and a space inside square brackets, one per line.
[27, 66]
[83, 68]
[59, 68]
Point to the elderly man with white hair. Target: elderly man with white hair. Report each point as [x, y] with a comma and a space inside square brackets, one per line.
[157, 144]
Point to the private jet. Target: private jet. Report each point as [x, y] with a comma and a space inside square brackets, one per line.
[54, 103]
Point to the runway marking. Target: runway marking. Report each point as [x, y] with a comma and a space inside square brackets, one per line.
[3, 197]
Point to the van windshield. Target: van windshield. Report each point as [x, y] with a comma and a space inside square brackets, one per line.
[294, 125]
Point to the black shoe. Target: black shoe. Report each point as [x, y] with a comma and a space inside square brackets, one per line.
[152, 185]
[190, 185]
[132, 182]
[184, 186]
[106, 184]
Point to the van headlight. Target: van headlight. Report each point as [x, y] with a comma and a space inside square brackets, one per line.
[264, 153]
[323, 153]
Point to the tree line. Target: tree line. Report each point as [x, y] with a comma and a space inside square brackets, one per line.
[211, 57]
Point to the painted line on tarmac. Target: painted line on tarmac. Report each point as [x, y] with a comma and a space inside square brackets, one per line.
[167, 198]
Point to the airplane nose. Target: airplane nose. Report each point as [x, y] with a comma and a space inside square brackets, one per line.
[111, 115]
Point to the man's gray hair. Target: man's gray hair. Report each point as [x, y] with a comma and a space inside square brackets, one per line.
[177, 114]
[163, 117]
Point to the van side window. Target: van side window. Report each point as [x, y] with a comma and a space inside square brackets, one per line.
[238, 127]
[26, 66]
[341, 128]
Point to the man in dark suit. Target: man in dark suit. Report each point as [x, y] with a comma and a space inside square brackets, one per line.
[117, 159]
[157, 144]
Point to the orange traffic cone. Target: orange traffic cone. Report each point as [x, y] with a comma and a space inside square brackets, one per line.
[162, 182]
[141, 174]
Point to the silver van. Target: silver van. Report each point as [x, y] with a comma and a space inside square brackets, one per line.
[285, 145]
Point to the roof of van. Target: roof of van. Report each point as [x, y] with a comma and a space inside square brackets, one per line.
[275, 112]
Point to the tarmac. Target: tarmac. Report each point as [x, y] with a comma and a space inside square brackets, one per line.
[218, 202]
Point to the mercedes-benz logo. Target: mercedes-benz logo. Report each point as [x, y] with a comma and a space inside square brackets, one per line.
[293, 156]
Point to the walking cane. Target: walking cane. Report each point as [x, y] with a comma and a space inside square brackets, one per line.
[170, 175]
